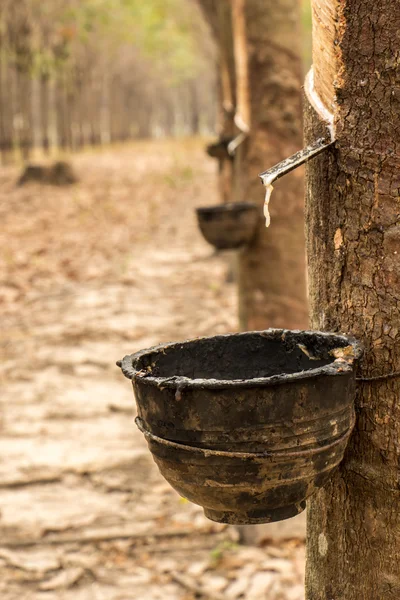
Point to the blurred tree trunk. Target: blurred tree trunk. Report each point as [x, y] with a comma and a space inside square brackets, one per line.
[219, 16]
[80, 111]
[94, 109]
[45, 111]
[25, 128]
[272, 288]
[105, 107]
[61, 107]
[144, 110]
[70, 100]
[5, 112]
[4, 146]
[354, 272]
[194, 108]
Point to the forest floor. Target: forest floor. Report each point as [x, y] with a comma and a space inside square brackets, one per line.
[89, 273]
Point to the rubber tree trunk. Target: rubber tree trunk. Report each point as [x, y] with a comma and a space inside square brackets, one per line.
[62, 117]
[354, 273]
[24, 91]
[5, 131]
[45, 112]
[272, 288]
[219, 16]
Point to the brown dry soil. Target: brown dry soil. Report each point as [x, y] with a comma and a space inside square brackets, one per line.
[87, 274]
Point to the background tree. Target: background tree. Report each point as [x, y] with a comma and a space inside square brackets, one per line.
[219, 17]
[354, 260]
[262, 57]
[272, 290]
[89, 72]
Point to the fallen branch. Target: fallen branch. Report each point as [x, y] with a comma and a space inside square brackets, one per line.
[184, 548]
[14, 561]
[194, 587]
[40, 477]
[103, 536]
[64, 580]
[21, 483]
[116, 408]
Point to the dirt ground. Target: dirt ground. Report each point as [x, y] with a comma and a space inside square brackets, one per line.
[89, 273]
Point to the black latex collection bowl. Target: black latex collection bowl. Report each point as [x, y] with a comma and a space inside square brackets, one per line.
[229, 226]
[247, 425]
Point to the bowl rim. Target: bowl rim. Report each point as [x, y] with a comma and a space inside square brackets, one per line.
[338, 366]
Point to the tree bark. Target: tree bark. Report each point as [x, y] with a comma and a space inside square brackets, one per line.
[272, 290]
[353, 241]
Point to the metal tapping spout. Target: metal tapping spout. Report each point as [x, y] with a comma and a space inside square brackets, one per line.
[289, 164]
